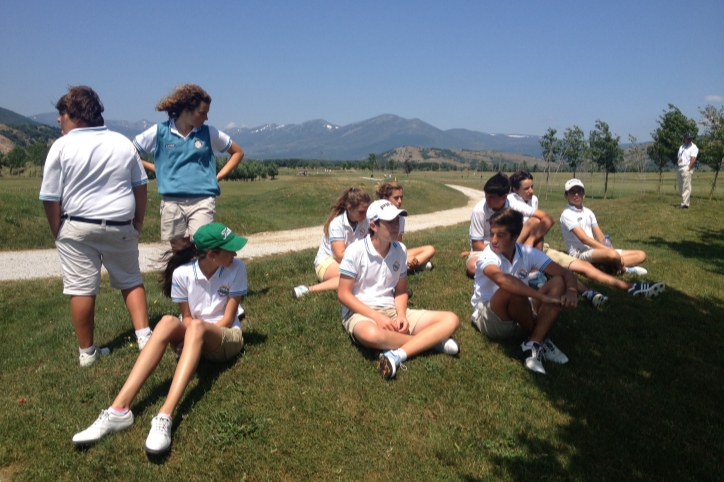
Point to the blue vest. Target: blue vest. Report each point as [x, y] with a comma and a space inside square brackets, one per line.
[185, 167]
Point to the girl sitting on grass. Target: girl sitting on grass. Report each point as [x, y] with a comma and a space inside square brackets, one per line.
[347, 222]
[373, 292]
[417, 258]
[207, 282]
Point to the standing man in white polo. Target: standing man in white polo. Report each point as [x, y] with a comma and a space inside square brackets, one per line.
[94, 195]
[687, 157]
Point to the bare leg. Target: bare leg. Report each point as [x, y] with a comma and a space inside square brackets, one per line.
[370, 335]
[431, 329]
[82, 309]
[200, 336]
[547, 312]
[534, 230]
[590, 271]
[169, 329]
[331, 279]
[135, 299]
[422, 254]
[633, 257]
[608, 256]
[513, 307]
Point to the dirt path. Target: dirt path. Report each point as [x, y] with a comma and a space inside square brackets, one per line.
[44, 263]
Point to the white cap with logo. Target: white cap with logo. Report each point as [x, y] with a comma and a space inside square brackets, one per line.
[573, 183]
[384, 210]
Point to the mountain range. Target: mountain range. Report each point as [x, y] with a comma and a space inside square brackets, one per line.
[319, 139]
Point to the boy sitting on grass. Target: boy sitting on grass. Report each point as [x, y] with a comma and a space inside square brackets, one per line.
[585, 241]
[502, 298]
[373, 292]
[496, 198]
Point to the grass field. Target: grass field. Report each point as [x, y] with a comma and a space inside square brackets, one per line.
[639, 400]
[288, 202]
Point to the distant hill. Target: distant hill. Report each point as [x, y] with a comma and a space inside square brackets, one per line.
[465, 158]
[319, 139]
[10, 117]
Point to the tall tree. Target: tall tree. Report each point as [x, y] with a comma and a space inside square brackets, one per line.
[16, 158]
[372, 159]
[38, 151]
[2, 162]
[711, 151]
[574, 147]
[605, 150]
[551, 149]
[668, 138]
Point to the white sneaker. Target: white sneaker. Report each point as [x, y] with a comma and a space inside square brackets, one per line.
[240, 312]
[388, 363]
[87, 360]
[159, 437]
[106, 423]
[552, 353]
[300, 291]
[598, 300]
[449, 347]
[428, 266]
[143, 340]
[533, 358]
[636, 270]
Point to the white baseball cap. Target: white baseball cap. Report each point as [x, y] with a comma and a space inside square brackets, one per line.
[384, 210]
[573, 183]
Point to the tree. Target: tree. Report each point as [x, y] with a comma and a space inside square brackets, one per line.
[2, 162]
[273, 170]
[38, 151]
[372, 159]
[668, 138]
[16, 158]
[551, 149]
[407, 167]
[711, 151]
[573, 147]
[605, 151]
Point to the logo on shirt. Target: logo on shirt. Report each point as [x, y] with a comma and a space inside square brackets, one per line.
[168, 146]
[396, 266]
[198, 144]
[522, 274]
[223, 290]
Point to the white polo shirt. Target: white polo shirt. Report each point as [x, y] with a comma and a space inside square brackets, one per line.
[480, 219]
[686, 153]
[341, 230]
[525, 260]
[572, 218]
[207, 298]
[146, 140]
[402, 224]
[533, 203]
[92, 172]
[375, 277]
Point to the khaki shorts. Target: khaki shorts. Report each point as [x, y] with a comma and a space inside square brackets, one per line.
[351, 320]
[473, 254]
[489, 323]
[85, 247]
[322, 267]
[558, 257]
[182, 217]
[232, 342]
[588, 254]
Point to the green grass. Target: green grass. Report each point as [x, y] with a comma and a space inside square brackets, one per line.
[639, 400]
[288, 202]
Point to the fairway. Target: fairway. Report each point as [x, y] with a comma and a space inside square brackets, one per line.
[639, 399]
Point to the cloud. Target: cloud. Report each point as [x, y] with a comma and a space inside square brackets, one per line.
[714, 98]
[230, 125]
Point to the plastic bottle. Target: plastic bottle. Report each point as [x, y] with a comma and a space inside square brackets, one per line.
[607, 241]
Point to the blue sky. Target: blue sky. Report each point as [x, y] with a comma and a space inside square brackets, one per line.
[497, 67]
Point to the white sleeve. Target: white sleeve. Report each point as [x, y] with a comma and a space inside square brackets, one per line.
[220, 142]
[567, 222]
[348, 266]
[477, 223]
[239, 285]
[145, 142]
[594, 221]
[179, 287]
[694, 151]
[336, 229]
[539, 260]
[521, 207]
[485, 259]
[138, 173]
[52, 186]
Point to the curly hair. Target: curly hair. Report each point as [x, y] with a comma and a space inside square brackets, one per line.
[385, 190]
[183, 97]
[82, 103]
[353, 197]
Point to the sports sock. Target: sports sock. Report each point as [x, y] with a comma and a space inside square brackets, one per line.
[165, 415]
[400, 353]
[118, 411]
[143, 332]
[529, 344]
[88, 351]
[588, 294]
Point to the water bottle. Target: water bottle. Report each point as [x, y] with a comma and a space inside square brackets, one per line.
[607, 241]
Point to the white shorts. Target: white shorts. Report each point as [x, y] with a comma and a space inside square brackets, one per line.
[182, 217]
[587, 255]
[489, 323]
[84, 247]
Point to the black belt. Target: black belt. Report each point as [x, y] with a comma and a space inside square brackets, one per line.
[96, 221]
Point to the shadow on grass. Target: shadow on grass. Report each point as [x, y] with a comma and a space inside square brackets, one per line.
[709, 248]
[640, 396]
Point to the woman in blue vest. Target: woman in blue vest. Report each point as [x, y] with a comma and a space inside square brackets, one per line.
[183, 148]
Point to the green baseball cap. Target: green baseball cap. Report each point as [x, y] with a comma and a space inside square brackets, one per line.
[216, 235]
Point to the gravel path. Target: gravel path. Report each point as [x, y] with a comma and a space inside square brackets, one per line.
[44, 263]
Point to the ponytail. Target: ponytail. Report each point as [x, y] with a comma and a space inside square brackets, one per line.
[353, 197]
[182, 251]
